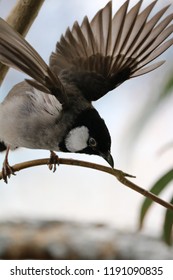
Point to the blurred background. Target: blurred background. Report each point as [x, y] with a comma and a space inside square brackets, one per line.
[84, 195]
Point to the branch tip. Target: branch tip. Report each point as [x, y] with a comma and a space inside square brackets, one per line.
[120, 175]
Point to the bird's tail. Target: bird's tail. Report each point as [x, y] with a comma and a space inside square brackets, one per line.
[2, 147]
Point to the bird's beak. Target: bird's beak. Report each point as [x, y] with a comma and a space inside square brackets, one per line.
[108, 157]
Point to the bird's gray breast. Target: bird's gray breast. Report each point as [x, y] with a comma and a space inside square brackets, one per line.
[29, 118]
[37, 120]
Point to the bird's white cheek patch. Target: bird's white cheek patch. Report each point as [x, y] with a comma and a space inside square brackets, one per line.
[77, 139]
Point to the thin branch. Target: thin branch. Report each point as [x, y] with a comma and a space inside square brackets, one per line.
[120, 175]
[21, 18]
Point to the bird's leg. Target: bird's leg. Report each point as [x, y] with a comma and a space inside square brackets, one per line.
[53, 161]
[7, 170]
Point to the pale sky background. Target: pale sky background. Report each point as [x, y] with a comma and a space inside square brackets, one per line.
[79, 194]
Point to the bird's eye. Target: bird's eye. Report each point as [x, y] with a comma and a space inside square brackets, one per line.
[92, 142]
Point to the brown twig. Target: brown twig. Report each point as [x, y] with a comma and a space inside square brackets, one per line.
[120, 175]
[21, 18]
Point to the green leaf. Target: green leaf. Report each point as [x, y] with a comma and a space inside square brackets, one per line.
[167, 90]
[156, 189]
[168, 226]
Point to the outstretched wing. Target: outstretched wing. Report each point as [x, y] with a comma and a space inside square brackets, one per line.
[100, 55]
[16, 52]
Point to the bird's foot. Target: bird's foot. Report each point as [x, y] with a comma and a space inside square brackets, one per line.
[53, 161]
[7, 171]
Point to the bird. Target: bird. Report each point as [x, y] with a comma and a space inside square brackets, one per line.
[53, 108]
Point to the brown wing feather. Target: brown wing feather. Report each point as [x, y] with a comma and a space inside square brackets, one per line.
[16, 52]
[107, 51]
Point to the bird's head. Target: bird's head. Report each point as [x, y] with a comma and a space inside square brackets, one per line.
[89, 135]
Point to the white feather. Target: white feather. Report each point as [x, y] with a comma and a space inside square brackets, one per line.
[44, 101]
[77, 139]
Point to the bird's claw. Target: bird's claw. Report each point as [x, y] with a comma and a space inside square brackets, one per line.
[7, 171]
[53, 161]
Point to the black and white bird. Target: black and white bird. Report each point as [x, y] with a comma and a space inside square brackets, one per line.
[54, 110]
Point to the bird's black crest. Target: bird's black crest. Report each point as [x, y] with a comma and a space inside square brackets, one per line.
[97, 128]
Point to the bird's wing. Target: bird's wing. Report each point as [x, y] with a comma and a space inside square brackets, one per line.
[101, 54]
[16, 52]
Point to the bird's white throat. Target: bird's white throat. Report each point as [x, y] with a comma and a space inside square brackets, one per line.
[77, 139]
